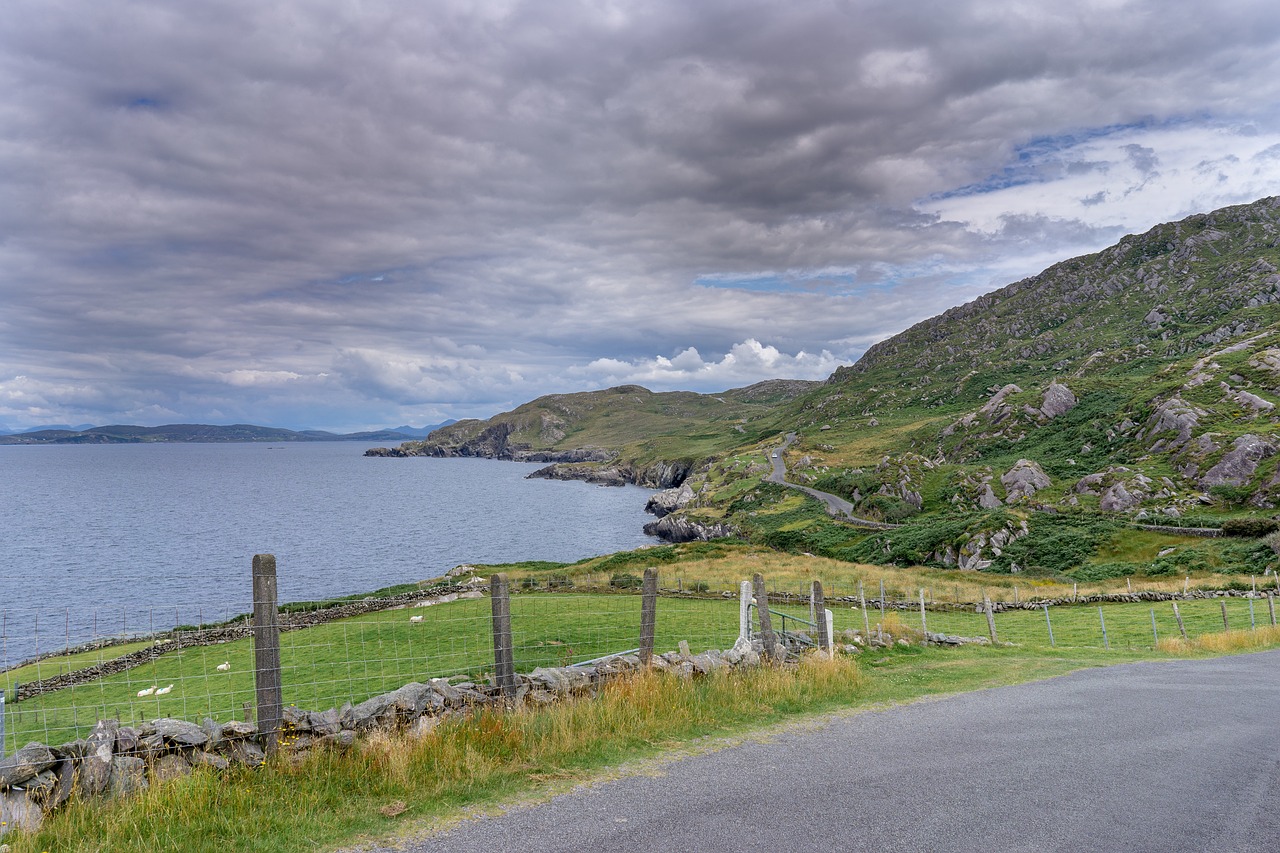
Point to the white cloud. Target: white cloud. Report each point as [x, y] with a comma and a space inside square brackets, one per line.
[745, 363]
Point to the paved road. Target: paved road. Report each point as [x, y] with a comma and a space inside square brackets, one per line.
[836, 505]
[1166, 756]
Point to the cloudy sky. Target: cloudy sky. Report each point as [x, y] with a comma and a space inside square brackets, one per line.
[347, 214]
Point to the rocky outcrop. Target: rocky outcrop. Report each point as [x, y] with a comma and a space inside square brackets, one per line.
[1120, 489]
[1238, 464]
[657, 475]
[979, 548]
[668, 501]
[1058, 400]
[1023, 480]
[680, 528]
[1173, 415]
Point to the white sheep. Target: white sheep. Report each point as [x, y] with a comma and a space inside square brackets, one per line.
[164, 690]
[225, 666]
[147, 692]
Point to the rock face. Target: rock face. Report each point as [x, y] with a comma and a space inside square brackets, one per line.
[670, 500]
[1024, 479]
[1173, 415]
[981, 547]
[680, 528]
[1058, 400]
[1239, 463]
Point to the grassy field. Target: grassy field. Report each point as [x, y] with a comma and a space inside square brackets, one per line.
[353, 659]
[388, 786]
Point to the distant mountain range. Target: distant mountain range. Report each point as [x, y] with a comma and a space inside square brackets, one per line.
[207, 433]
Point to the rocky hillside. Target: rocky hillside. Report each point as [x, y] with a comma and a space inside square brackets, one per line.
[623, 434]
[1029, 429]
[1180, 288]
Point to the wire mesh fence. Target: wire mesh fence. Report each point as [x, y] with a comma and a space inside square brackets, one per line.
[346, 653]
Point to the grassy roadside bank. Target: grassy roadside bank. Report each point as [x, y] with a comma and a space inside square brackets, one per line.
[387, 786]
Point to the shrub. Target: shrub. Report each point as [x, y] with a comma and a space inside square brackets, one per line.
[1251, 528]
[1272, 541]
[699, 586]
[528, 583]
[559, 582]
[622, 580]
[1231, 495]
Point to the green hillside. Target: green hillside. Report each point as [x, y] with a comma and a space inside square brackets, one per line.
[1031, 430]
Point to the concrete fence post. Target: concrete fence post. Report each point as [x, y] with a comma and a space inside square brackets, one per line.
[504, 667]
[1271, 608]
[266, 652]
[991, 619]
[924, 620]
[744, 611]
[820, 611]
[767, 636]
[648, 615]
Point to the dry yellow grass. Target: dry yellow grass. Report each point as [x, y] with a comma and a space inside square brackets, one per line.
[1224, 642]
[796, 572]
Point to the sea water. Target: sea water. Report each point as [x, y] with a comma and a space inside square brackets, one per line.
[107, 540]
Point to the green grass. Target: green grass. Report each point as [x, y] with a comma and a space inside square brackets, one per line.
[388, 786]
[350, 660]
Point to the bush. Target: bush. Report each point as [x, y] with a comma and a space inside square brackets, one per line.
[699, 586]
[559, 582]
[528, 583]
[626, 581]
[1251, 528]
[1231, 495]
[1272, 541]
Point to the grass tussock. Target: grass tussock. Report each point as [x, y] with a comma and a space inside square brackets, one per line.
[1224, 642]
[332, 796]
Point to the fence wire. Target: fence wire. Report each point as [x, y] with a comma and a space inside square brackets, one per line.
[135, 666]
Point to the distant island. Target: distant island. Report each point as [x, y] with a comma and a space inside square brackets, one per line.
[204, 433]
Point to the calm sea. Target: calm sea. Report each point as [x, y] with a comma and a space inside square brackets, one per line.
[116, 539]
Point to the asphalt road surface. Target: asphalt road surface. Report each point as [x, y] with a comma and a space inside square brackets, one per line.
[1159, 756]
[836, 505]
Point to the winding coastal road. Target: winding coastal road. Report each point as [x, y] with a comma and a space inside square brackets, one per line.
[836, 505]
[1155, 756]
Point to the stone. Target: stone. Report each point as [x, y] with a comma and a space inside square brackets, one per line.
[95, 768]
[245, 752]
[1058, 400]
[182, 734]
[19, 812]
[988, 499]
[209, 759]
[128, 776]
[236, 730]
[213, 730]
[327, 723]
[171, 766]
[1024, 479]
[1239, 463]
[26, 764]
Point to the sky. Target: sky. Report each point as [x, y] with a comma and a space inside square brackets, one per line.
[354, 214]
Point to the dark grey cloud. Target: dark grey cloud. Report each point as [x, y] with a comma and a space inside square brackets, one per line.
[339, 214]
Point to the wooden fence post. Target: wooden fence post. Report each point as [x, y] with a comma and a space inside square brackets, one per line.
[820, 611]
[1226, 626]
[266, 652]
[991, 619]
[648, 615]
[1182, 629]
[924, 621]
[1271, 607]
[504, 665]
[767, 637]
